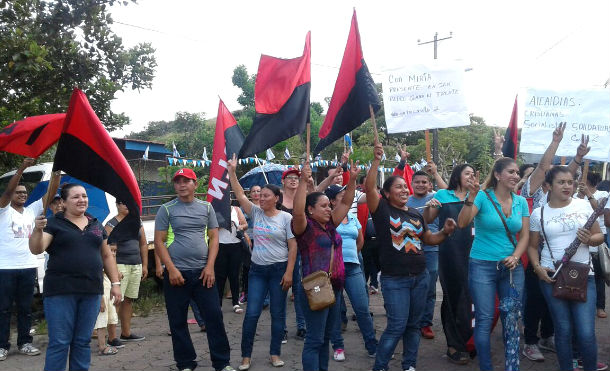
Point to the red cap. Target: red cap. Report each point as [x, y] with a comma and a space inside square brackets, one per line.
[292, 170]
[185, 172]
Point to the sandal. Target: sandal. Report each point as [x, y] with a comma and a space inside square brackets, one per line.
[237, 309]
[108, 351]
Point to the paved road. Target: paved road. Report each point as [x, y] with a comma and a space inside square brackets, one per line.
[155, 352]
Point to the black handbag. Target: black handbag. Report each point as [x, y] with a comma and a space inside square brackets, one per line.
[244, 240]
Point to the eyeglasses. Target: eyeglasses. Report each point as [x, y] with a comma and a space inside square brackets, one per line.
[291, 177]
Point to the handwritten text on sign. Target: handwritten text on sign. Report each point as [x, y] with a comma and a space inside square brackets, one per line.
[585, 112]
[424, 97]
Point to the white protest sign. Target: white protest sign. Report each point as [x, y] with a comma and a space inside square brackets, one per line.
[585, 112]
[424, 97]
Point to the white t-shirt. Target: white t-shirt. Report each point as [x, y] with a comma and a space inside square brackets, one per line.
[560, 225]
[227, 237]
[271, 235]
[15, 231]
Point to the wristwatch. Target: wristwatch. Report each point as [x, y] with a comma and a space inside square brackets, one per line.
[115, 284]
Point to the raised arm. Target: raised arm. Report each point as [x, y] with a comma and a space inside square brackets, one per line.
[299, 219]
[39, 240]
[469, 210]
[581, 151]
[240, 195]
[341, 210]
[5, 199]
[431, 169]
[370, 184]
[537, 177]
[331, 174]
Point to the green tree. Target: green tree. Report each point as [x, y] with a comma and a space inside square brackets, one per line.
[48, 47]
[245, 82]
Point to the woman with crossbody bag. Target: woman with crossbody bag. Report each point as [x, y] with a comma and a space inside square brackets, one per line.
[314, 225]
[562, 220]
[495, 265]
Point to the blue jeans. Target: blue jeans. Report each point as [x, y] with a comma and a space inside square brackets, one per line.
[359, 298]
[264, 279]
[486, 279]
[319, 324]
[432, 267]
[402, 299]
[573, 318]
[70, 322]
[197, 313]
[16, 285]
[177, 299]
[299, 295]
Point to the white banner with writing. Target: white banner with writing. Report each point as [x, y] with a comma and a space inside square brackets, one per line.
[585, 112]
[424, 97]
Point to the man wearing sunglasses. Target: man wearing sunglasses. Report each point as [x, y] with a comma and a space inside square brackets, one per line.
[17, 264]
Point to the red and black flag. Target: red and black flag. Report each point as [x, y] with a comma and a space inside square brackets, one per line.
[511, 138]
[32, 136]
[87, 152]
[354, 92]
[228, 140]
[281, 100]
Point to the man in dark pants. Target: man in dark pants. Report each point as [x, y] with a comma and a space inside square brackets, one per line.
[183, 224]
[17, 264]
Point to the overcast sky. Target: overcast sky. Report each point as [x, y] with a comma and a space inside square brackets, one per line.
[509, 46]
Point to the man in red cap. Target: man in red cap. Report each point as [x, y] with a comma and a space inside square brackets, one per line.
[182, 228]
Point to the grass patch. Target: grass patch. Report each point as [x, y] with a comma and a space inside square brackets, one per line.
[150, 298]
[41, 327]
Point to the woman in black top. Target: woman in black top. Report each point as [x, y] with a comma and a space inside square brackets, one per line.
[401, 232]
[76, 243]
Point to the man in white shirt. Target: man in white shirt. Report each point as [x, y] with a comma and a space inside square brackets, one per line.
[17, 264]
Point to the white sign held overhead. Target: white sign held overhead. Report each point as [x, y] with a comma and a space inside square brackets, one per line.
[585, 112]
[424, 97]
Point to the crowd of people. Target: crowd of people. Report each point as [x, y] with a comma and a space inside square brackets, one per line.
[498, 246]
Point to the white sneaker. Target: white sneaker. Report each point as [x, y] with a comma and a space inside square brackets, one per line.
[3, 354]
[29, 350]
[410, 369]
[532, 353]
[339, 355]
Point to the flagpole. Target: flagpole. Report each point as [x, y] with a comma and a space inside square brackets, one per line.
[308, 142]
[262, 170]
[428, 156]
[374, 123]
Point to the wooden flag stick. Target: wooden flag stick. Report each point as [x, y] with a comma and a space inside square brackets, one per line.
[374, 123]
[585, 171]
[53, 184]
[428, 155]
[308, 142]
[563, 160]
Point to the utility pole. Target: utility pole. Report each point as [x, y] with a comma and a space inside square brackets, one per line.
[435, 131]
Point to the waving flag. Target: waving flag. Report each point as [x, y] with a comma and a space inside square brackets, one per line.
[228, 139]
[354, 92]
[205, 154]
[145, 155]
[87, 152]
[32, 136]
[175, 151]
[270, 155]
[287, 154]
[281, 100]
[511, 138]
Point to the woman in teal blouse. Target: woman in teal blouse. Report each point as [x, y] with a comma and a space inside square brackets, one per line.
[494, 258]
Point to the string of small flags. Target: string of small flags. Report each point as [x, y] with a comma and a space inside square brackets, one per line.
[315, 164]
